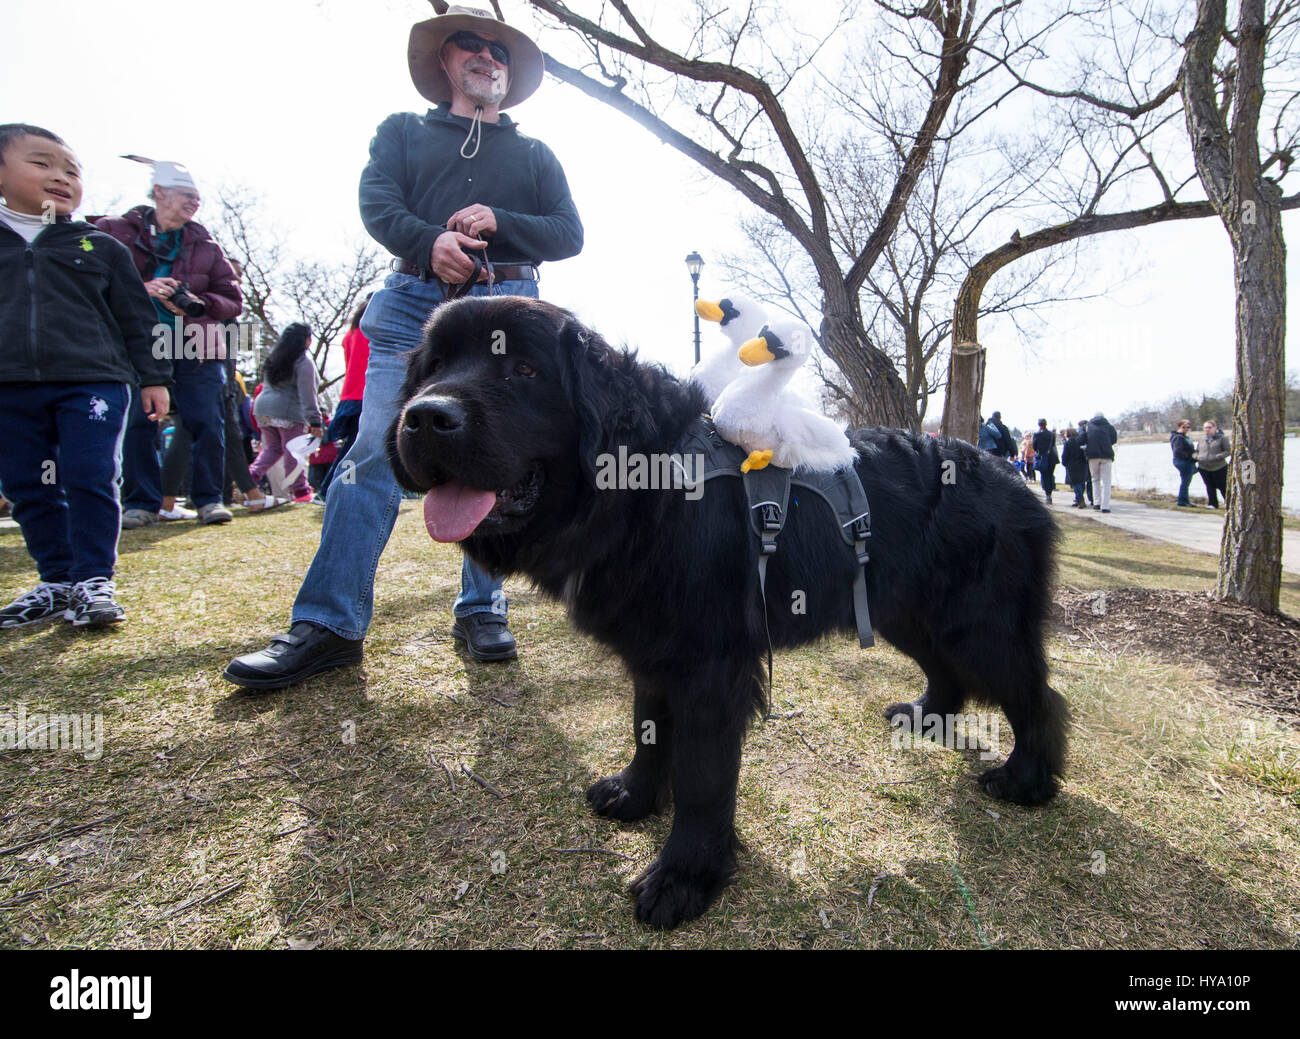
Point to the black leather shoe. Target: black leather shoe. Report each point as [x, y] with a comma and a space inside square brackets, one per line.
[306, 650]
[486, 636]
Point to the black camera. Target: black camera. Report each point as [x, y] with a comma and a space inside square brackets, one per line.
[189, 305]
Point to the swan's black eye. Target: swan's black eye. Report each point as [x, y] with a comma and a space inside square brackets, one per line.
[526, 370]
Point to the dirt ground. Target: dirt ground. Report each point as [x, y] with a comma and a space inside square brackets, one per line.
[1254, 656]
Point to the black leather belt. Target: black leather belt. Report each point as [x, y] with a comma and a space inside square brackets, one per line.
[502, 272]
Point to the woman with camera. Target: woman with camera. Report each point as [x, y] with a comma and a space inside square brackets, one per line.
[194, 292]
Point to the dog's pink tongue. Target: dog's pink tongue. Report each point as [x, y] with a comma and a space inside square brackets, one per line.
[452, 511]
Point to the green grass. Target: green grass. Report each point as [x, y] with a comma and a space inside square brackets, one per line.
[340, 813]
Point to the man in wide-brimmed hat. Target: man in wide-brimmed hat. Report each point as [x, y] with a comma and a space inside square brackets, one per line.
[457, 182]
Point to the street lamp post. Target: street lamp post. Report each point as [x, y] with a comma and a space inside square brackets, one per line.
[695, 264]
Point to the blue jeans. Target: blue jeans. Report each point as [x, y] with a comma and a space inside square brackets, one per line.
[338, 592]
[1186, 470]
[198, 390]
[60, 466]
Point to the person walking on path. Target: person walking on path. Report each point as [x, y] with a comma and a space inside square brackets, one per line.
[1100, 449]
[461, 179]
[1082, 427]
[1212, 456]
[990, 437]
[286, 408]
[1028, 458]
[1045, 457]
[1076, 465]
[1184, 460]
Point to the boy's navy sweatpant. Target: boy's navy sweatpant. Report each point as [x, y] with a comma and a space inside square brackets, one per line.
[60, 462]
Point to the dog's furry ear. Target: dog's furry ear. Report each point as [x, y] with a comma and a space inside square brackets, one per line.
[595, 387]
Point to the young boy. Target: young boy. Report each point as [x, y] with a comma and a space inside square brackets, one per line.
[75, 334]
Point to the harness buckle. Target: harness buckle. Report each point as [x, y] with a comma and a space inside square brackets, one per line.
[771, 515]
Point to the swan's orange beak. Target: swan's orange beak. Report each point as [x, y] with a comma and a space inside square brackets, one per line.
[756, 352]
[709, 311]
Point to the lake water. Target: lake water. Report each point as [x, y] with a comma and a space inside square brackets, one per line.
[1139, 466]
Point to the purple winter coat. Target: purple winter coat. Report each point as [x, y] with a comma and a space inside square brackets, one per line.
[200, 264]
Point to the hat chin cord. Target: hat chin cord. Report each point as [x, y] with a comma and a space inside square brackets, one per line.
[475, 131]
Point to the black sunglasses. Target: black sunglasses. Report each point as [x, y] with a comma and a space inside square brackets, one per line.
[472, 43]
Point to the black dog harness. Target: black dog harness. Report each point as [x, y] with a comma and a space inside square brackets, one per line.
[768, 492]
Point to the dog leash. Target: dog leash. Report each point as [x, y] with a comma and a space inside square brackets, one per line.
[450, 291]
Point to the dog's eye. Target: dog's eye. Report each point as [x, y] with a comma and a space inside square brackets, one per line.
[526, 370]
[434, 364]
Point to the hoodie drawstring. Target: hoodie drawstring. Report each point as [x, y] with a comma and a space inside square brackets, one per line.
[476, 125]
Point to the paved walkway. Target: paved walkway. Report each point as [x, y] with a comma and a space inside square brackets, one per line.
[1197, 527]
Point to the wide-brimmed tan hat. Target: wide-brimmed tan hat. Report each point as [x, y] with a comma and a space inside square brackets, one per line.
[423, 54]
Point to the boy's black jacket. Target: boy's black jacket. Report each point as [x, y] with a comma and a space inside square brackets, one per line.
[73, 309]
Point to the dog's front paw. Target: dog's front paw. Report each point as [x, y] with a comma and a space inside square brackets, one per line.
[667, 896]
[614, 798]
[1004, 784]
[913, 711]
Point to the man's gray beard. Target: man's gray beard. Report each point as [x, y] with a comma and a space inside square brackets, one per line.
[493, 95]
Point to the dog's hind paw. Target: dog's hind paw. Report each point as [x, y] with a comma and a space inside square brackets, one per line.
[1005, 785]
[666, 896]
[611, 798]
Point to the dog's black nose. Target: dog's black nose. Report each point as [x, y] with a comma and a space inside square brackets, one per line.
[433, 415]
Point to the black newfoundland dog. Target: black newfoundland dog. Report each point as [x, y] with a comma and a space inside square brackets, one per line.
[510, 404]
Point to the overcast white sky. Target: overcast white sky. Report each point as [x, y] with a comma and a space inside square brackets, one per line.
[284, 97]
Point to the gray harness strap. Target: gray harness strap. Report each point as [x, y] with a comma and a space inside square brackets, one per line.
[768, 492]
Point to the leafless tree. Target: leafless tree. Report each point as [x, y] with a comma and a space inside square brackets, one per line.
[973, 184]
[725, 89]
[1239, 89]
[279, 287]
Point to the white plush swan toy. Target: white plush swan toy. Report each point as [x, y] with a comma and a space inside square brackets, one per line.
[775, 423]
[740, 318]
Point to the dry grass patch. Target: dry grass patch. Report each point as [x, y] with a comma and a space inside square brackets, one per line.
[344, 813]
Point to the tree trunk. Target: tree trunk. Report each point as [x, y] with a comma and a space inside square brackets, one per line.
[965, 391]
[1250, 567]
[879, 397]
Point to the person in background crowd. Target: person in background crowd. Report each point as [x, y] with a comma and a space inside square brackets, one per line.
[347, 418]
[1212, 456]
[989, 437]
[1046, 460]
[1076, 465]
[179, 263]
[1027, 458]
[286, 408]
[1006, 443]
[1083, 443]
[1100, 449]
[237, 454]
[75, 334]
[320, 463]
[1184, 460]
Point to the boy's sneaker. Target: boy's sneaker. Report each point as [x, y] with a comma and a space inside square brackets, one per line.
[42, 602]
[133, 519]
[91, 604]
[177, 512]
